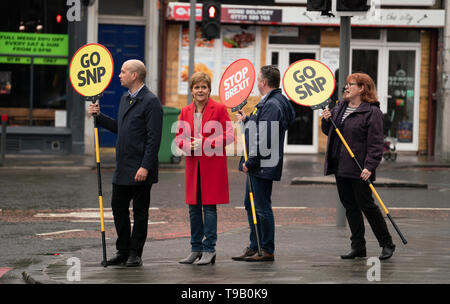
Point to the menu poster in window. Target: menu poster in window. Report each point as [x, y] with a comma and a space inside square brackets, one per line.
[5, 82]
[330, 57]
[203, 61]
[237, 43]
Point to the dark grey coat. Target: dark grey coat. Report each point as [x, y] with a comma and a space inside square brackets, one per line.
[138, 127]
[363, 131]
[274, 108]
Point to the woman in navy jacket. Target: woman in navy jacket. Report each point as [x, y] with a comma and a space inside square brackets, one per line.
[360, 121]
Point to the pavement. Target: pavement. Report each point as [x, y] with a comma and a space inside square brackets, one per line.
[308, 242]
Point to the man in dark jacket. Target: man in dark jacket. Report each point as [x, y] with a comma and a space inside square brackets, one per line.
[138, 126]
[265, 130]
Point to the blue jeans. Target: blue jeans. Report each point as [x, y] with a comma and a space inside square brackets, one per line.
[262, 192]
[203, 225]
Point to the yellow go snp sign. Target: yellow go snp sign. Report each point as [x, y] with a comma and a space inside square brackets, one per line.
[308, 82]
[91, 69]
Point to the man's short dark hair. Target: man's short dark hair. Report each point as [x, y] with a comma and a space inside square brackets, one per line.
[272, 74]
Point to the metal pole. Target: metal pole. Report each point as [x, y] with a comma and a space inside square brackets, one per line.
[192, 31]
[3, 141]
[344, 69]
[31, 100]
[442, 146]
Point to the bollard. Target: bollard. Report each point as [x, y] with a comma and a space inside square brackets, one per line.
[3, 140]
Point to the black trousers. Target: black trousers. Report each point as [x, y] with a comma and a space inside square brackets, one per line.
[357, 199]
[131, 242]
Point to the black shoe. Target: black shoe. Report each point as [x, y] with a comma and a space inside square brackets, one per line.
[387, 252]
[354, 253]
[119, 259]
[134, 261]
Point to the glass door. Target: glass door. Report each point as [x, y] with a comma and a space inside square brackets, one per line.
[403, 98]
[366, 61]
[369, 61]
[301, 137]
[395, 72]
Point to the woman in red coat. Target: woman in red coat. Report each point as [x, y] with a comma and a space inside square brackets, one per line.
[204, 129]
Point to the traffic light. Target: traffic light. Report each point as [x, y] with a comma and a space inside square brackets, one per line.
[353, 5]
[318, 5]
[211, 19]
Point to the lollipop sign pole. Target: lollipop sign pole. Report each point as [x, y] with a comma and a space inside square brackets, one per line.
[90, 71]
[235, 86]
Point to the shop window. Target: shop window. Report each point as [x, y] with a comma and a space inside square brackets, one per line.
[33, 78]
[213, 58]
[34, 16]
[15, 85]
[365, 61]
[49, 87]
[120, 7]
[300, 35]
[366, 33]
[403, 35]
[275, 58]
[401, 95]
[49, 93]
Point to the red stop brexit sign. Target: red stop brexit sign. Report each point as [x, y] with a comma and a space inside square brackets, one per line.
[236, 83]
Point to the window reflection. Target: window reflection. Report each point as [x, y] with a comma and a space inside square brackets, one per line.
[401, 81]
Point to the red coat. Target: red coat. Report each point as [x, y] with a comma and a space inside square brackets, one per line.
[213, 168]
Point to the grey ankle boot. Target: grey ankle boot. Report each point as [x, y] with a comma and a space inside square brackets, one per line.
[207, 258]
[191, 258]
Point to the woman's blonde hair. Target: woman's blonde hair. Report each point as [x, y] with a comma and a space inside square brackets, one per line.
[200, 77]
[369, 93]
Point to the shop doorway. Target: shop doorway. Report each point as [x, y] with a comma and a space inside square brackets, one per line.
[302, 136]
[124, 42]
[395, 71]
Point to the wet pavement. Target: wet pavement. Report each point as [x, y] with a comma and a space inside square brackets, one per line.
[306, 253]
[55, 208]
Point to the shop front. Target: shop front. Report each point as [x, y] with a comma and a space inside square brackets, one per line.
[37, 41]
[129, 29]
[394, 46]
[34, 50]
